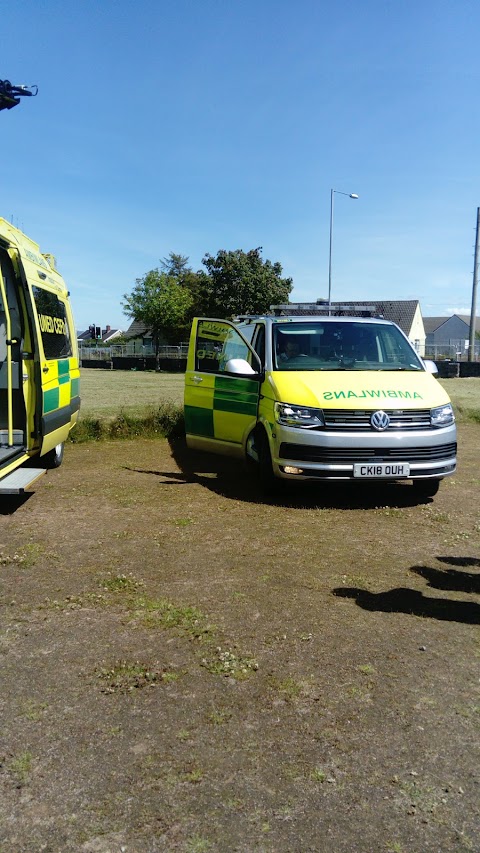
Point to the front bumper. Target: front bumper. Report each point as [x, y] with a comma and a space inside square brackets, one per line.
[319, 454]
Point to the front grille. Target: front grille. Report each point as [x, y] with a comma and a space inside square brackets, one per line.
[343, 419]
[340, 455]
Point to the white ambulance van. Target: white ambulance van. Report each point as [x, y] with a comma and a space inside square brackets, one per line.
[319, 398]
[39, 369]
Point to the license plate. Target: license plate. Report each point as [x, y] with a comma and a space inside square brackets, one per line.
[373, 470]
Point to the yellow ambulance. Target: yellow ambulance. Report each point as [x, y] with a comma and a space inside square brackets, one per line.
[39, 368]
[319, 398]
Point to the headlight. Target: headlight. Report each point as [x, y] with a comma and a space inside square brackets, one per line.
[298, 416]
[442, 416]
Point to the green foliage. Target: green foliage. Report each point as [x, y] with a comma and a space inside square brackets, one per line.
[166, 420]
[126, 676]
[175, 265]
[241, 282]
[165, 300]
[162, 303]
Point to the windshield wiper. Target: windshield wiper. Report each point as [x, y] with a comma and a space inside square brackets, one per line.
[409, 369]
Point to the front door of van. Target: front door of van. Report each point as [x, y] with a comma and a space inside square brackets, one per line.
[221, 404]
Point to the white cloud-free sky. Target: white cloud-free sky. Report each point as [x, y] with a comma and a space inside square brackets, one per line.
[173, 125]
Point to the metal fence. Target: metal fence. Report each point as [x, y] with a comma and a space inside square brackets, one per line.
[453, 351]
[133, 350]
[136, 350]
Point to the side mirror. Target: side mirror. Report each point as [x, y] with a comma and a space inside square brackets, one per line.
[239, 366]
[430, 366]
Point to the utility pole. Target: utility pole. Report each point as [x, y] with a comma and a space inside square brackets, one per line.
[473, 313]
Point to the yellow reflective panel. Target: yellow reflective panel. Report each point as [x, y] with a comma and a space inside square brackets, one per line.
[367, 389]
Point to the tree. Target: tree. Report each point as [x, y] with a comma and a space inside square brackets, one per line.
[175, 265]
[162, 304]
[240, 282]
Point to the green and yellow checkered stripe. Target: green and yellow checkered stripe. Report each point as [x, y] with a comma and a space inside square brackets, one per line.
[62, 385]
[225, 409]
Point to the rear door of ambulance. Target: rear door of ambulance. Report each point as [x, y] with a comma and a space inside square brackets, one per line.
[220, 407]
[59, 368]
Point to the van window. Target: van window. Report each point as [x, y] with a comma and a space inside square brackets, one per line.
[259, 344]
[52, 319]
[342, 346]
[216, 344]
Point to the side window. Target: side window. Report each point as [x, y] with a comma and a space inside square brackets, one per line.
[216, 344]
[259, 343]
[247, 330]
[52, 319]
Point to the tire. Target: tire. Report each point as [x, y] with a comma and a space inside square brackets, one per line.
[268, 482]
[426, 488]
[54, 458]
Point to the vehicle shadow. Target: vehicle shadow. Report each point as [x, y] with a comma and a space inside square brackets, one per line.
[414, 603]
[10, 503]
[234, 479]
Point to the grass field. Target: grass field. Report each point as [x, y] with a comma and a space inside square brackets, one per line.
[189, 667]
[107, 393]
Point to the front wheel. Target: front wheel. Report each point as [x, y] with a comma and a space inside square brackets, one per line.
[268, 481]
[54, 458]
[426, 488]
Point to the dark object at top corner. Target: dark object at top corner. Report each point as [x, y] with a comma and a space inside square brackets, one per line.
[10, 95]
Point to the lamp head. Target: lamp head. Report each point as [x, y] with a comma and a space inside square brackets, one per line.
[353, 195]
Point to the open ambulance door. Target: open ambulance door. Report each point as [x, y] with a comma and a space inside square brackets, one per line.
[222, 387]
[13, 418]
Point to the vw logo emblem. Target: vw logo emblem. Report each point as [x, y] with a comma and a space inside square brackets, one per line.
[380, 421]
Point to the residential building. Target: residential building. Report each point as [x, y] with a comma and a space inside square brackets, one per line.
[103, 336]
[449, 334]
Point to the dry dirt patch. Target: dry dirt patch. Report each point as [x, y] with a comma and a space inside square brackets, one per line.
[186, 666]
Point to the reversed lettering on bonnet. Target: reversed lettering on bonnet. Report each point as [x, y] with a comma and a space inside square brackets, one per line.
[364, 394]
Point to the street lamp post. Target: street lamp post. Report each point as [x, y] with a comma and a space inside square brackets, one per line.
[350, 195]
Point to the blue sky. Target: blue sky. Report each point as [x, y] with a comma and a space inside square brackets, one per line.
[197, 126]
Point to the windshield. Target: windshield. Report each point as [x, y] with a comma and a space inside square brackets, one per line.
[342, 346]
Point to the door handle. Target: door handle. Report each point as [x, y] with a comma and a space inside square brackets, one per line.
[197, 379]
[45, 369]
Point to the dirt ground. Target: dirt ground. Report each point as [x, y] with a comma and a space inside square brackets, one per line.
[187, 666]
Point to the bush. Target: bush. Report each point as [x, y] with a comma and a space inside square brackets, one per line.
[166, 421]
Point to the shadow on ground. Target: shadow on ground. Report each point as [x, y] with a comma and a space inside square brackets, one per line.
[10, 503]
[404, 600]
[233, 479]
[450, 579]
[415, 603]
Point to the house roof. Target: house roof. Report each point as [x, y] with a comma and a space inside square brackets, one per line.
[137, 329]
[401, 312]
[466, 319]
[107, 334]
[433, 323]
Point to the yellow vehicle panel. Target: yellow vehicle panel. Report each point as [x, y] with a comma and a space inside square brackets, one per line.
[356, 389]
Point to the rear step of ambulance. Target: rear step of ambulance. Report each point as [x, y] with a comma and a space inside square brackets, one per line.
[20, 481]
